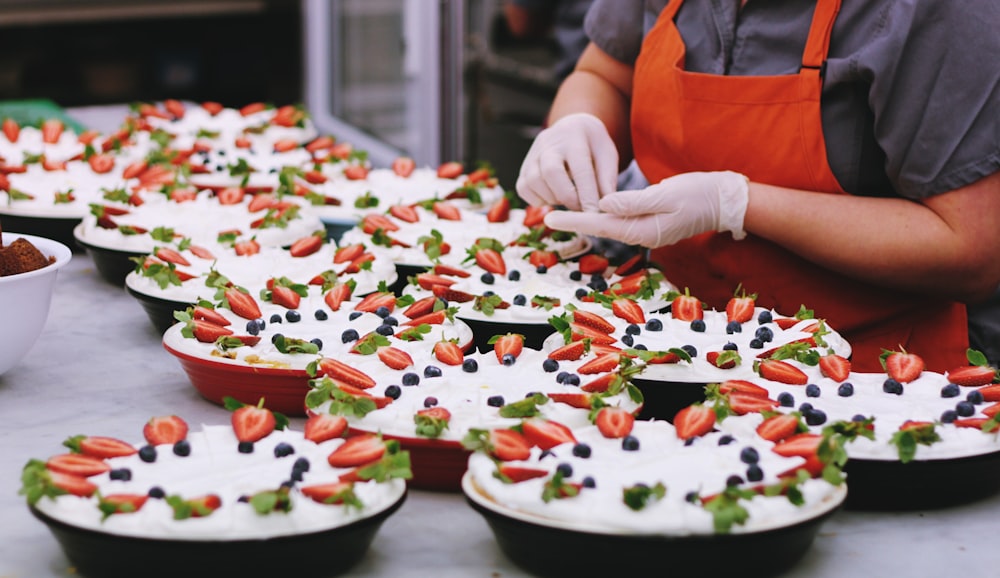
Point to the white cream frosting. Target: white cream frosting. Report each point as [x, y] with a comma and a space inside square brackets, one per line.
[216, 467]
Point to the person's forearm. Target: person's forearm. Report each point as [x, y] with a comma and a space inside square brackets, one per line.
[946, 246]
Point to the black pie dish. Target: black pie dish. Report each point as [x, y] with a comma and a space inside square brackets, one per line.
[160, 311]
[534, 333]
[113, 265]
[319, 554]
[551, 548]
[663, 399]
[55, 228]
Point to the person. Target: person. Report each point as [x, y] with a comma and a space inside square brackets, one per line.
[841, 155]
[563, 19]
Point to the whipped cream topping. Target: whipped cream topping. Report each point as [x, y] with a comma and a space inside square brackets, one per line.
[214, 466]
[702, 467]
[229, 124]
[60, 194]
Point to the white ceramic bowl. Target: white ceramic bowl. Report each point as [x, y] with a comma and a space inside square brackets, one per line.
[25, 300]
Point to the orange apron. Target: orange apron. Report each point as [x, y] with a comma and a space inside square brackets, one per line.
[770, 129]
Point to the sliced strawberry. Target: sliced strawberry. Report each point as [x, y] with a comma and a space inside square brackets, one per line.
[11, 129]
[329, 493]
[779, 427]
[52, 165]
[356, 265]
[450, 170]
[601, 384]
[242, 304]
[342, 372]
[357, 450]
[443, 269]
[631, 265]
[77, 465]
[394, 358]
[230, 196]
[452, 295]
[570, 352]
[508, 445]
[509, 344]
[629, 310]
[741, 386]
[434, 318]
[102, 447]
[743, 403]
[579, 331]
[902, 366]
[374, 221]
[694, 421]
[804, 445]
[990, 392]
[782, 372]
[150, 110]
[491, 260]
[406, 213]
[687, 308]
[246, 248]
[977, 423]
[314, 178]
[600, 364]
[429, 280]
[371, 302]
[253, 108]
[285, 297]
[578, 400]
[348, 253]
[202, 506]
[447, 211]
[517, 474]
[546, 434]
[74, 485]
[168, 429]
[253, 422]
[261, 202]
[134, 170]
[52, 129]
[284, 145]
[593, 320]
[306, 246]
[448, 352]
[341, 150]
[356, 172]
[836, 367]
[972, 375]
[543, 258]
[614, 422]
[420, 307]
[403, 166]
[740, 308]
[101, 163]
[171, 256]
[319, 143]
[207, 332]
[535, 215]
[593, 263]
[174, 107]
[122, 503]
[337, 295]
[499, 212]
[991, 410]
[320, 427]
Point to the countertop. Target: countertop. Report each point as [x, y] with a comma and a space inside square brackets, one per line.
[99, 368]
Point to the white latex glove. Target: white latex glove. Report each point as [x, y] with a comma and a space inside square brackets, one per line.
[662, 214]
[572, 163]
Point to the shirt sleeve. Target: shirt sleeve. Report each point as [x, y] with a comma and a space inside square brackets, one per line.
[616, 27]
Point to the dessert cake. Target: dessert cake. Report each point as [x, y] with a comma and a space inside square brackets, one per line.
[21, 256]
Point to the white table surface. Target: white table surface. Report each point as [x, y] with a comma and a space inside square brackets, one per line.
[99, 368]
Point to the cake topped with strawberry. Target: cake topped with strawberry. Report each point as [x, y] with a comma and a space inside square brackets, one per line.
[255, 125]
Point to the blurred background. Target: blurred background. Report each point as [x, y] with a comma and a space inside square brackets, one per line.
[435, 79]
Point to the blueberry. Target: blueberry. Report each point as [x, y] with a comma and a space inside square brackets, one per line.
[756, 343]
[382, 311]
[252, 328]
[633, 329]
[301, 465]
[488, 293]
[519, 299]
[691, 350]
[156, 492]
[805, 407]
[598, 284]
[949, 416]
[691, 497]
[630, 443]
[733, 480]
[283, 450]
[654, 325]
[297, 476]
[764, 334]
[596, 276]
[293, 316]
[320, 315]
[725, 440]
[495, 401]
[734, 327]
[640, 347]
[245, 447]
[487, 278]
[123, 474]
[287, 484]
[581, 293]
[390, 320]
[261, 324]
[730, 347]
[812, 390]
[393, 392]
[689, 442]
[432, 371]
[274, 338]
[975, 397]
[411, 379]
[786, 399]
[749, 455]
[541, 269]
[950, 390]
[354, 315]
[561, 376]
[575, 275]
[846, 389]
[349, 335]
[275, 318]
[965, 409]
[508, 359]
[317, 342]
[627, 340]
[182, 448]
[147, 454]
[384, 329]
[764, 317]
[589, 482]
[581, 451]
[892, 386]
[470, 365]
[514, 275]
[565, 469]
[550, 365]
[754, 473]
[244, 499]
[698, 325]
[430, 401]
[858, 417]
[815, 417]
[572, 379]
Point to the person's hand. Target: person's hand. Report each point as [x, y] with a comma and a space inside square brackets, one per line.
[572, 163]
[662, 214]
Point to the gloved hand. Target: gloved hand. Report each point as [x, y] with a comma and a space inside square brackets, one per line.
[662, 214]
[572, 163]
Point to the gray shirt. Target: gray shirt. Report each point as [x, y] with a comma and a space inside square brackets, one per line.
[911, 93]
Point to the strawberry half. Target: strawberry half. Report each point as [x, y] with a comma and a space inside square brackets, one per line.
[447, 211]
[779, 427]
[253, 422]
[782, 372]
[75, 485]
[629, 310]
[593, 320]
[394, 358]
[450, 170]
[509, 344]
[168, 429]
[570, 352]
[508, 445]
[972, 375]
[320, 427]
[491, 260]
[518, 474]
[306, 246]
[694, 421]
[329, 493]
[403, 166]
[577, 400]
[740, 308]
[340, 371]
[242, 304]
[358, 450]
[210, 315]
[687, 308]
[208, 332]
[614, 422]
[592, 263]
[80, 465]
[102, 447]
[337, 295]
[600, 364]
[546, 434]
[902, 366]
[499, 212]
[742, 386]
[742, 403]
[404, 213]
[836, 367]
[448, 352]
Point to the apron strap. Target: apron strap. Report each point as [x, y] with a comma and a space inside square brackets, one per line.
[818, 43]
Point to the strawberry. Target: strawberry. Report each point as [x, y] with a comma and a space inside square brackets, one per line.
[723, 359]
[260, 202]
[516, 474]
[614, 422]
[358, 450]
[230, 195]
[374, 221]
[405, 213]
[330, 493]
[570, 352]
[403, 166]
[320, 427]
[314, 178]
[253, 108]
[168, 429]
[101, 447]
[972, 375]
[740, 307]
[447, 211]
[593, 320]
[977, 423]
[601, 384]
[836, 367]
[77, 465]
[52, 129]
[579, 332]
[543, 258]
[629, 310]
[743, 403]
[779, 427]
[804, 445]
[990, 392]
[101, 163]
[429, 280]
[593, 263]
[356, 265]
[246, 248]
[991, 410]
[546, 434]
[319, 143]
[510, 344]
[356, 172]
[74, 485]
[535, 215]
[449, 294]
[782, 372]
[631, 265]
[200, 506]
[450, 170]
[687, 308]
[443, 269]
[694, 421]
[213, 108]
[394, 358]
[174, 107]
[11, 129]
[51, 165]
[284, 145]
[207, 332]
[499, 212]
[121, 503]
[741, 386]
[902, 366]
[491, 260]
[340, 371]
[242, 304]
[150, 110]
[285, 296]
[253, 422]
[508, 445]
[348, 253]
[600, 364]
[577, 400]
[433, 318]
[171, 256]
[448, 352]
[371, 302]
[341, 150]
[306, 246]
